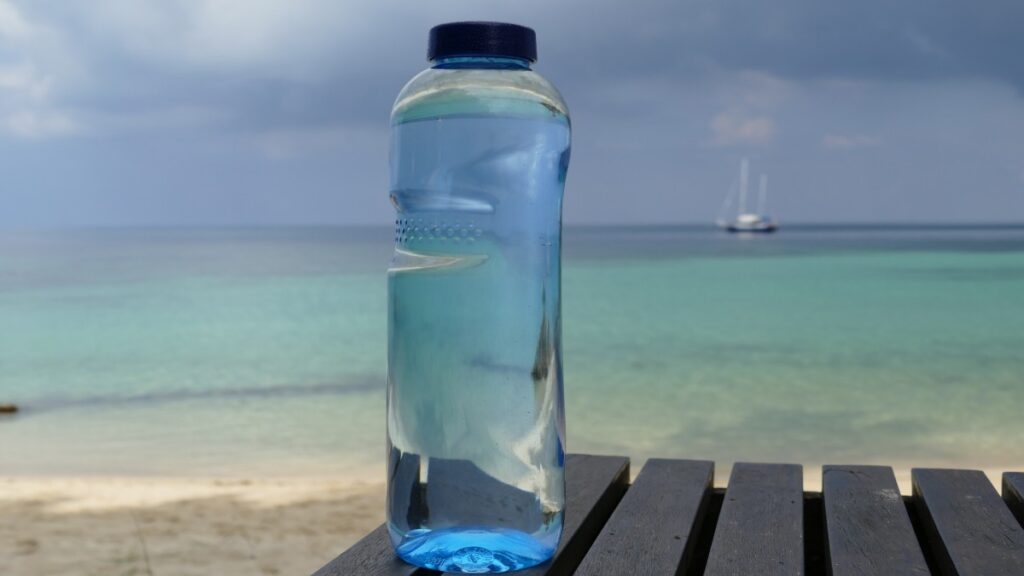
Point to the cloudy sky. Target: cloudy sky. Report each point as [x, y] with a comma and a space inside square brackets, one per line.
[177, 112]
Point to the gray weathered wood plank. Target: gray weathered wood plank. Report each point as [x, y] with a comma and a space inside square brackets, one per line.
[970, 530]
[371, 556]
[653, 530]
[866, 522]
[594, 486]
[760, 529]
[1013, 493]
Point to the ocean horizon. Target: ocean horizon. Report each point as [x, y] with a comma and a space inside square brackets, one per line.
[261, 351]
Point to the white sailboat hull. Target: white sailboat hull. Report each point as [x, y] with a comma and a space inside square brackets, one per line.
[760, 227]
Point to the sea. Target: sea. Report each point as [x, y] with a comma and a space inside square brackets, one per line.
[242, 352]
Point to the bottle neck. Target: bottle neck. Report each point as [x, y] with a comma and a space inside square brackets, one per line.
[481, 63]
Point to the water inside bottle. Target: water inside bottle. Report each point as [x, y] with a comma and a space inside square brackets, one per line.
[475, 423]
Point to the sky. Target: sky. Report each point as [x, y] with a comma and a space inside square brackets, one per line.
[261, 112]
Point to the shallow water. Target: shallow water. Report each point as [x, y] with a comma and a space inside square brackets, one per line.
[262, 352]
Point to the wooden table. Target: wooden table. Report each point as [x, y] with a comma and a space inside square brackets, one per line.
[673, 521]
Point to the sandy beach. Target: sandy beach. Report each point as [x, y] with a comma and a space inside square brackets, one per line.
[169, 526]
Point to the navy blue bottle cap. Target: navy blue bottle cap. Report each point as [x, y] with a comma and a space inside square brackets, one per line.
[482, 39]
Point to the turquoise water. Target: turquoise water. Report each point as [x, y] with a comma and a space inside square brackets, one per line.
[475, 404]
[263, 352]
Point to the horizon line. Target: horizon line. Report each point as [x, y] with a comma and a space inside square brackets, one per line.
[804, 225]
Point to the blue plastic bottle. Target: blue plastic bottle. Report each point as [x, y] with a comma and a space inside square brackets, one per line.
[476, 433]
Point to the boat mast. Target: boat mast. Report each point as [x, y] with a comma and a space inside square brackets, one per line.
[762, 194]
[743, 186]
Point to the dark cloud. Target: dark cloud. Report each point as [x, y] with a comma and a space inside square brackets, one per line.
[203, 112]
[873, 39]
[585, 44]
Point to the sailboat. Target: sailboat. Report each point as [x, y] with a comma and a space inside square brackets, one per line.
[746, 221]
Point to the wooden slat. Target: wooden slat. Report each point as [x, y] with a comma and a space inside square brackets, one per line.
[868, 528]
[970, 530]
[1013, 493]
[760, 529]
[594, 486]
[371, 556]
[653, 530]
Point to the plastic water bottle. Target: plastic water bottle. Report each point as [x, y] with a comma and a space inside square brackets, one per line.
[476, 433]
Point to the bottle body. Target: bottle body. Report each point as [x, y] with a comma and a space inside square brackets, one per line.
[475, 406]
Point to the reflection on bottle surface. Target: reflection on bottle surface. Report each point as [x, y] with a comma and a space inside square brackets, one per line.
[475, 410]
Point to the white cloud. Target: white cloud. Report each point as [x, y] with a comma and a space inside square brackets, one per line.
[13, 25]
[71, 68]
[158, 119]
[40, 124]
[274, 38]
[751, 101]
[843, 142]
[732, 128]
[28, 80]
[764, 91]
[25, 80]
[287, 144]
